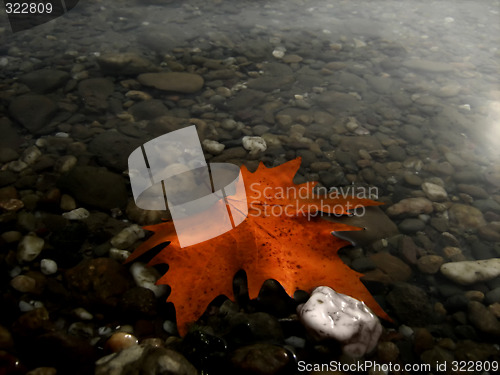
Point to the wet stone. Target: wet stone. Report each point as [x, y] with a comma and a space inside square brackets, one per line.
[411, 305]
[100, 281]
[125, 64]
[110, 192]
[113, 149]
[483, 319]
[411, 225]
[172, 81]
[33, 111]
[148, 110]
[44, 80]
[260, 359]
[95, 92]
[466, 217]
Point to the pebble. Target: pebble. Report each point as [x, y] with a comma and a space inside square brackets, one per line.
[328, 314]
[120, 341]
[470, 272]
[142, 359]
[31, 154]
[48, 266]
[119, 255]
[434, 192]
[76, 214]
[127, 237]
[411, 207]
[213, 147]
[173, 81]
[83, 314]
[146, 277]
[465, 216]
[255, 145]
[482, 318]
[29, 248]
[23, 284]
[67, 203]
[65, 163]
[430, 264]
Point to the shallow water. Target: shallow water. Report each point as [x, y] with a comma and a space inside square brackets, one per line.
[399, 96]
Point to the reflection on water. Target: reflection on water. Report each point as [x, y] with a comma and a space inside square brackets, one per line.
[399, 95]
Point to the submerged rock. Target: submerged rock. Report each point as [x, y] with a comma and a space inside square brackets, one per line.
[172, 81]
[470, 272]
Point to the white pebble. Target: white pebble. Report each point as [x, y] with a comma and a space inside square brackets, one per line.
[29, 248]
[41, 142]
[279, 52]
[31, 154]
[254, 144]
[48, 266]
[119, 255]
[328, 314]
[83, 314]
[76, 214]
[213, 147]
[127, 237]
[17, 166]
[470, 272]
[146, 277]
[62, 135]
[25, 306]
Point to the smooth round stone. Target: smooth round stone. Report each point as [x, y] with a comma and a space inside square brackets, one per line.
[120, 341]
[430, 264]
[67, 203]
[411, 225]
[48, 266]
[76, 214]
[434, 192]
[23, 284]
[29, 248]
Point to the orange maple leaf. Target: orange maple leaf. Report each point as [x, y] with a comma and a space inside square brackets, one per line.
[296, 248]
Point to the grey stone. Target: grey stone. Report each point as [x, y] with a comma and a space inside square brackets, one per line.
[44, 80]
[411, 225]
[94, 92]
[173, 81]
[411, 134]
[148, 109]
[128, 63]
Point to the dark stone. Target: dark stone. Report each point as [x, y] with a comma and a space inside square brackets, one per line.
[139, 302]
[32, 111]
[44, 80]
[411, 225]
[148, 110]
[98, 282]
[96, 187]
[493, 296]
[411, 305]
[94, 92]
[260, 359]
[396, 152]
[456, 302]
[67, 353]
[113, 149]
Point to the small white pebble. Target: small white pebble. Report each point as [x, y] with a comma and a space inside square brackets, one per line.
[76, 214]
[104, 331]
[48, 266]
[146, 277]
[83, 314]
[25, 306]
[119, 255]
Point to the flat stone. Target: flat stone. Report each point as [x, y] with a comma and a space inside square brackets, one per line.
[466, 217]
[32, 111]
[434, 192]
[44, 80]
[395, 268]
[411, 207]
[173, 81]
[470, 272]
[128, 63]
